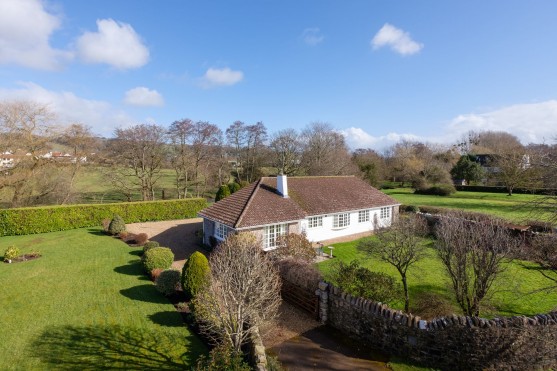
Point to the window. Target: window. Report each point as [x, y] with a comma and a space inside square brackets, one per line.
[363, 216]
[385, 212]
[315, 221]
[272, 232]
[221, 231]
[341, 220]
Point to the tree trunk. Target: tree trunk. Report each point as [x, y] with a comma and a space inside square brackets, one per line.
[406, 297]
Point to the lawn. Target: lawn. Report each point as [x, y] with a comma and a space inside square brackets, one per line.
[512, 290]
[85, 304]
[513, 208]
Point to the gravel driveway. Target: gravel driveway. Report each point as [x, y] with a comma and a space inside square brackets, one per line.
[178, 235]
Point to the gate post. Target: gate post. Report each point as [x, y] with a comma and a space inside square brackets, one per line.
[323, 294]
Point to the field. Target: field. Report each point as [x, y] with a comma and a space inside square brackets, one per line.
[512, 289]
[514, 208]
[85, 304]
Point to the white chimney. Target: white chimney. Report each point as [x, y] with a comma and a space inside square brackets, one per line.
[282, 185]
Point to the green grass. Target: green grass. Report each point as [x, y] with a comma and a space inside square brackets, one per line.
[85, 304]
[511, 289]
[513, 208]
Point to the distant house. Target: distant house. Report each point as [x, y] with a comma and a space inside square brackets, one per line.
[325, 208]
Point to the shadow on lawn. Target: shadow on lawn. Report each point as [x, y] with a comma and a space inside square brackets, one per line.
[147, 293]
[167, 318]
[114, 348]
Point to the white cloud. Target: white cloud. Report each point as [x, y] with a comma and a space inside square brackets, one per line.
[221, 77]
[144, 97]
[25, 30]
[359, 138]
[397, 39]
[530, 122]
[312, 36]
[69, 108]
[115, 43]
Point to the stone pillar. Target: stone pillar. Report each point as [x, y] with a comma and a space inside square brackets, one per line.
[323, 293]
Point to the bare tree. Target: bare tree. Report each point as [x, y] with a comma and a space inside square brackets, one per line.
[140, 150]
[473, 250]
[287, 151]
[243, 292]
[27, 130]
[400, 245]
[247, 144]
[205, 144]
[82, 142]
[325, 151]
[180, 133]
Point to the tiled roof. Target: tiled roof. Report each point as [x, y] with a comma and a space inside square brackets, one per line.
[260, 203]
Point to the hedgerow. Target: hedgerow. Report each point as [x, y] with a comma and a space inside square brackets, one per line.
[32, 220]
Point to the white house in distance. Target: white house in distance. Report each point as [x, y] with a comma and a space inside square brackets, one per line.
[325, 207]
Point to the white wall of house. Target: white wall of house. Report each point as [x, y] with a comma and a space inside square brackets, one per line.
[328, 230]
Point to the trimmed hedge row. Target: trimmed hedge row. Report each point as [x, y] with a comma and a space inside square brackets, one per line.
[32, 220]
[502, 189]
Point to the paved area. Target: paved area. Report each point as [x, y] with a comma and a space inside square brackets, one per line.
[301, 344]
[178, 235]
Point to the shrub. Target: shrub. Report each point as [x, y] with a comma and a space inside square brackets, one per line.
[155, 273]
[411, 209]
[125, 236]
[141, 239]
[117, 225]
[11, 253]
[30, 220]
[429, 305]
[360, 281]
[222, 357]
[299, 272]
[194, 274]
[168, 282]
[105, 224]
[149, 245]
[438, 190]
[243, 183]
[296, 246]
[157, 257]
[234, 187]
[223, 192]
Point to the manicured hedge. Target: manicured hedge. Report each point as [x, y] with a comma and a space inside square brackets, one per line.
[60, 218]
[502, 189]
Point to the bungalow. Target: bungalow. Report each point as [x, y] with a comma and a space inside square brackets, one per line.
[325, 208]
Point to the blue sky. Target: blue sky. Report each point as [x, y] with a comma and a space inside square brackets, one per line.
[378, 71]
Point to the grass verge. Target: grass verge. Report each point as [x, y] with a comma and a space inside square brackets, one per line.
[85, 304]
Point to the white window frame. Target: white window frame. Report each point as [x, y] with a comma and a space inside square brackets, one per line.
[272, 232]
[385, 213]
[315, 222]
[363, 216]
[221, 231]
[341, 220]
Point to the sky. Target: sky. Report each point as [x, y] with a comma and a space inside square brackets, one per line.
[378, 71]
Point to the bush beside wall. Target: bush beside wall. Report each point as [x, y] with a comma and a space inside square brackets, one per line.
[32, 220]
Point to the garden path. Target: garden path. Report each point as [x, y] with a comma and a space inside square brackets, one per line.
[178, 235]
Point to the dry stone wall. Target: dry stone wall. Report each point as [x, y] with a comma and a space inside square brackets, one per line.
[453, 342]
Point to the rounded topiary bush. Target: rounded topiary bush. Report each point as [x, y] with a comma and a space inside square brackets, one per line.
[150, 245]
[168, 282]
[157, 258]
[11, 253]
[117, 225]
[194, 274]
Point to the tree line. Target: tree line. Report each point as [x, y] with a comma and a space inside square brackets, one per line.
[203, 157]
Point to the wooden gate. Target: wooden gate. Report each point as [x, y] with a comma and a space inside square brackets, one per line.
[301, 298]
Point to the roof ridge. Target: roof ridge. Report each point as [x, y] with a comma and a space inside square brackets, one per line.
[248, 203]
[322, 176]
